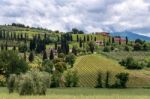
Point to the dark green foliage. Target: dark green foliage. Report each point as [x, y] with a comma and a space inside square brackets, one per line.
[55, 79]
[71, 78]
[127, 40]
[99, 81]
[77, 38]
[130, 63]
[91, 45]
[10, 63]
[47, 66]
[23, 48]
[126, 48]
[32, 44]
[137, 47]
[44, 55]
[122, 79]
[75, 31]
[106, 49]
[107, 80]
[70, 59]
[51, 57]
[74, 50]
[60, 66]
[56, 46]
[80, 43]
[61, 55]
[31, 57]
[139, 41]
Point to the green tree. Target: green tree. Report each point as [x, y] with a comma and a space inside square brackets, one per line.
[44, 55]
[31, 57]
[91, 45]
[51, 57]
[10, 63]
[70, 59]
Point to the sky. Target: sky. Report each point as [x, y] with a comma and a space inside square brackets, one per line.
[86, 15]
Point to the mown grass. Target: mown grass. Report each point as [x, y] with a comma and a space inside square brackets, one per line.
[88, 66]
[83, 93]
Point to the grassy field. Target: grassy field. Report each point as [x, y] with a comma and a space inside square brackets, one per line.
[88, 66]
[83, 93]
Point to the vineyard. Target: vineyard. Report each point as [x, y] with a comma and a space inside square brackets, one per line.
[88, 67]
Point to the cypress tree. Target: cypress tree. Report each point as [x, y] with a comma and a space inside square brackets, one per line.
[84, 38]
[95, 39]
[14, 47]
[51, 57]
[31, 57]
[56, 46]
[80, 43]
[77, 38]
[107, 79]
[74, 50]
[44, 55]
[126, 40]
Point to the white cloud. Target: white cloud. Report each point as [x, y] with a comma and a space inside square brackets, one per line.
[88, 15]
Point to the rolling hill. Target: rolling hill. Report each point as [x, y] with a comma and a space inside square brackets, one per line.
[89, 65]
[131, 35]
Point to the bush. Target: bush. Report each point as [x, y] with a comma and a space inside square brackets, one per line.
[47, 66]
[99, 80]
[11, 63]
[30, 83]
[55, 79]
[23, 48]
[106, 49]
[122, 79]
[2, 81]
[107, 80]
[11, 83]
[71, 78]
[130, 63]
[60, 66]
[70, 59]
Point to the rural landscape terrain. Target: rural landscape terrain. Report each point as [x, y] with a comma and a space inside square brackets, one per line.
[41, 63]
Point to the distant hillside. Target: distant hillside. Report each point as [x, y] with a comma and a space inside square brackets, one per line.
[131, 35]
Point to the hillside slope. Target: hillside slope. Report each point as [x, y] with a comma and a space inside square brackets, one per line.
[88, 66]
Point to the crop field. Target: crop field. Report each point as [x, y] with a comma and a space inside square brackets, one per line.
[88, 67]
[83, 93]
[139, 55]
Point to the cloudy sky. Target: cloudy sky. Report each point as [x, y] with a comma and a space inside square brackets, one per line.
[87, 15]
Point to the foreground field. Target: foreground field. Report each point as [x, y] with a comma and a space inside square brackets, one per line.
[89, 65]
[83, 93]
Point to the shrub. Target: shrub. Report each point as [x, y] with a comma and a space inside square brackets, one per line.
[106, 49]
[2, 81]
[130, 63]
[30, 83]
[23, 48]
[47, 66]
[11, 83]
[60, 66]
[55, 79]
[71, 78]
[107, 80]
[11, 63]
[70, 59]
[99, 80]
[126, 48]
[122, 79]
